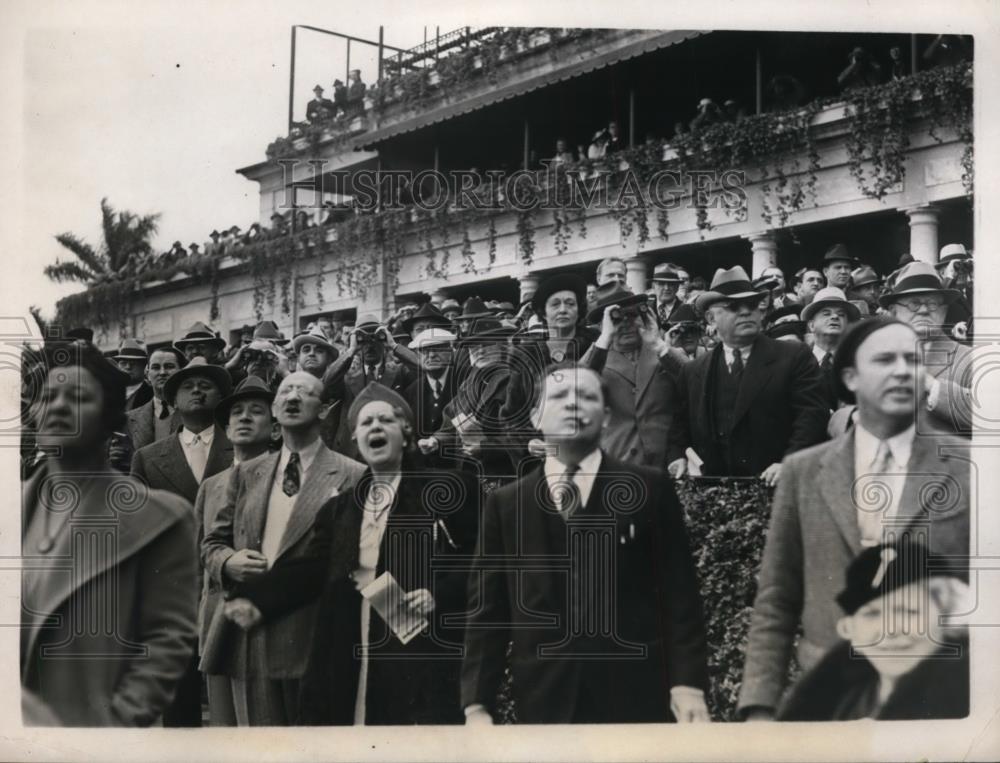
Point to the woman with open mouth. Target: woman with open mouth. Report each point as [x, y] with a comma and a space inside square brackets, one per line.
[389, 659]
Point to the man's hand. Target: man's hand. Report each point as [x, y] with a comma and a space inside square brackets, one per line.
[649, 331]
[608, 326]
[243, 612]
[677, 468]
[420, 602]
[244, 564]
[237, 360]
[771, 475]
[760, 714]
[478, 717]
[428, 445]
[385, 335]
[688, 705]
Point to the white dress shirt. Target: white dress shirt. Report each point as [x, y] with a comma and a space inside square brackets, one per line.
[555, 473]
[279, 505]
[196, 446]
[728, 353]
[819, 353]
[877, 491]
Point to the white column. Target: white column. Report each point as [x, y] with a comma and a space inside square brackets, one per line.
[636, 275]
[923, 233]
[765, 251]
[529, 285]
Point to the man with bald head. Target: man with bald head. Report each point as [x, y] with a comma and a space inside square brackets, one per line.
[271, 502]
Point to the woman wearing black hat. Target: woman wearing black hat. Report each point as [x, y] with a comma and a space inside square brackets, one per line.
[561, 302]
[107, 645]
[399, 521]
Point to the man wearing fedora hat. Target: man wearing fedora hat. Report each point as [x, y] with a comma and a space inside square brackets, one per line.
[866, 286]
[431, 392]
[179, 464]
[666, 281]
[827, 318]
[262, 357]
[319, 108]
[630, 356]
[837, 264]
[200, 340]
[919, 299]
[132, 358]
[250, 426]
[752, 400]
[427, 316]
[315, 353]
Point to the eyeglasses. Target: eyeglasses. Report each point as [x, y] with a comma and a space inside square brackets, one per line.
[915, 304]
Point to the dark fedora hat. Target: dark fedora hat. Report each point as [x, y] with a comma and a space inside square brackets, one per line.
[474, 308]
[198, 367]
[612, 293]
[864, 276]
[784, 314]
[82, 333]
[728, 283]
[251, 387]
[427, 313]
[560, 282]
[268, 330]
[917, 278]
[684, 314]
[199, 332]
[838, 252]
[131, 349]
[490, 328]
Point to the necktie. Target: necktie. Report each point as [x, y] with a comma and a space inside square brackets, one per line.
[164, 411]
[567, 492]
[436, 388]
[827, 363]
[736, 367]
[199, 457]
[290, 484]
[874, 497]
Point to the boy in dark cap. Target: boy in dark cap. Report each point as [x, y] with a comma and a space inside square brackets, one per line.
[895, 662]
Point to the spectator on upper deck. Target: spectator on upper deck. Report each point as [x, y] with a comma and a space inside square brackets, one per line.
[862, 71]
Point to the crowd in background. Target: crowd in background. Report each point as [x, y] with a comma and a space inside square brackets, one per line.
[375, 523]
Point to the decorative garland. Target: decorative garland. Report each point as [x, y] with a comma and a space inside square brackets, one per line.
[773, 143]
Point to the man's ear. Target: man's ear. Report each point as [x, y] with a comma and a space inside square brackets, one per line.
[849, 376]
[324, 410]
[845, 627]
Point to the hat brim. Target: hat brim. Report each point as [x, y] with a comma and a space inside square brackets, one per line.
[949, 295]
[225, 406]
[706, 299]
[434, 320]
[557, 283]
[302, 339]
[217, 374]
[853, 314]
[628, 300]
[130, 357]
[214, 341]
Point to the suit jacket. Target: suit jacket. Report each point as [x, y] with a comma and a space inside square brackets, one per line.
[413, 683]
[142, 395]
[813, 536]
[951, 364]
[641, 403]
[124, 672]
[428, 411]
[140, 424]
[780, 409]
[277, 650]
[162, 464]
[526, 564]
[211, 496]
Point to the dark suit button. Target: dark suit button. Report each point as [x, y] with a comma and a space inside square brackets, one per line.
[633, 451]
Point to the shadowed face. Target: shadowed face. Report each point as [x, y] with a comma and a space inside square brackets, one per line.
[380, 434]
[562, 310]
[162, 365]
[250, 422]
[737, 323]
[69, 410]
[571, 407]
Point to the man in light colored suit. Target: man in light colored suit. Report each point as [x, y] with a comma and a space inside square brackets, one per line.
[267, 514]
[882, 478]
[250, 427]
[179, 464]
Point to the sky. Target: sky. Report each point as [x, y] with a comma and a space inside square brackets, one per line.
[154, 105]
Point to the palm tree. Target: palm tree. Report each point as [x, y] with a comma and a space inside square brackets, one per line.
[126, 240]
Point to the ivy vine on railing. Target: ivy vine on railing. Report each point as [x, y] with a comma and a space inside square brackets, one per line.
[780, 147]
